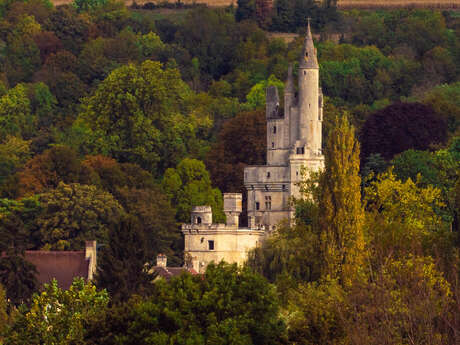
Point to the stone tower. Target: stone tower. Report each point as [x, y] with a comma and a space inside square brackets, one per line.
[293, 142]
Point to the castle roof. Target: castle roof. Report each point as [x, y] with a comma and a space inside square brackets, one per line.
[289, 88]
[169, 272]
[308, 58]
[63, 266]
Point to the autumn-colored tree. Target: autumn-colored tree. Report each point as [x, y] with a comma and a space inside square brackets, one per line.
[241, 142]
[48, 43]
[46, 170]
[341, 214]
[411, 295]
[70, 28]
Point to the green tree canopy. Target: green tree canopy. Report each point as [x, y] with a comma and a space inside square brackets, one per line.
[228, 305]
[74, 213]
[58, 316]
[189, 185]
[139, 114]
[341, 214]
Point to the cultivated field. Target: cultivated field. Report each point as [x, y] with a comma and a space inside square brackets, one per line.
[370, 4]
[345, 4]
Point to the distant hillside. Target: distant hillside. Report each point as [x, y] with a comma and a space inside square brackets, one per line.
[345, 4]
[364, 4]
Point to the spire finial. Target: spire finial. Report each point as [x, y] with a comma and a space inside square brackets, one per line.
[308, 27]
[308, 58]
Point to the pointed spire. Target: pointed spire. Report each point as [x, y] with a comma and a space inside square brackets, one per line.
[308, 58]
[289, 88]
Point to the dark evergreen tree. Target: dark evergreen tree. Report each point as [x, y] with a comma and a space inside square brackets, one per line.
[16, 235]
[246, 10]
[123, 268]
[18, 277]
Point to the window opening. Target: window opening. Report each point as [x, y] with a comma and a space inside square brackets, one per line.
[274, 129]
[257, 206]
[268, 202]
[273, 145]
[211, 245]
[268, 174]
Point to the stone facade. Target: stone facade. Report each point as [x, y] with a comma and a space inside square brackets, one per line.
[206, 242]
[293, 141]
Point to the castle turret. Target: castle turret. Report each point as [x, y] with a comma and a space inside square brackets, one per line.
[201, 215]
[309, 95]
[290, 118]
[293, 144]
[232, 208]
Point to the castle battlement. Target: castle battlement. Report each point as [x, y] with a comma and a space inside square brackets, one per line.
[294, 142]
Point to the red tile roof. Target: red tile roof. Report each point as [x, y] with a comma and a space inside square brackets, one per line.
[63, 266]
[169, 272]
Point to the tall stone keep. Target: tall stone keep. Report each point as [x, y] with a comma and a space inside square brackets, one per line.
[293, 142]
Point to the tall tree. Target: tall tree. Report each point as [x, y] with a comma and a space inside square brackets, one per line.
[153, 210]
[18, 277]
[123, 268]
[138, 114]
[341, 213]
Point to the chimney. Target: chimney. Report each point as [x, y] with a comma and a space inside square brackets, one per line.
[161, 260]
[232, 208]
[91, 256]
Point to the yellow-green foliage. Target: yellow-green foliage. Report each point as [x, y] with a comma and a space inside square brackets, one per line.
[400, 216]
[59, 316]
[403, 303]
[314, 316]
[341, 214]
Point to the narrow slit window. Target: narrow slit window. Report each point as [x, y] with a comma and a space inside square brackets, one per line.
[273, 145]
[257, 206]
[274, 129]
[211, 245]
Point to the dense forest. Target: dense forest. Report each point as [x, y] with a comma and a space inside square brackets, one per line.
[115, 121]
